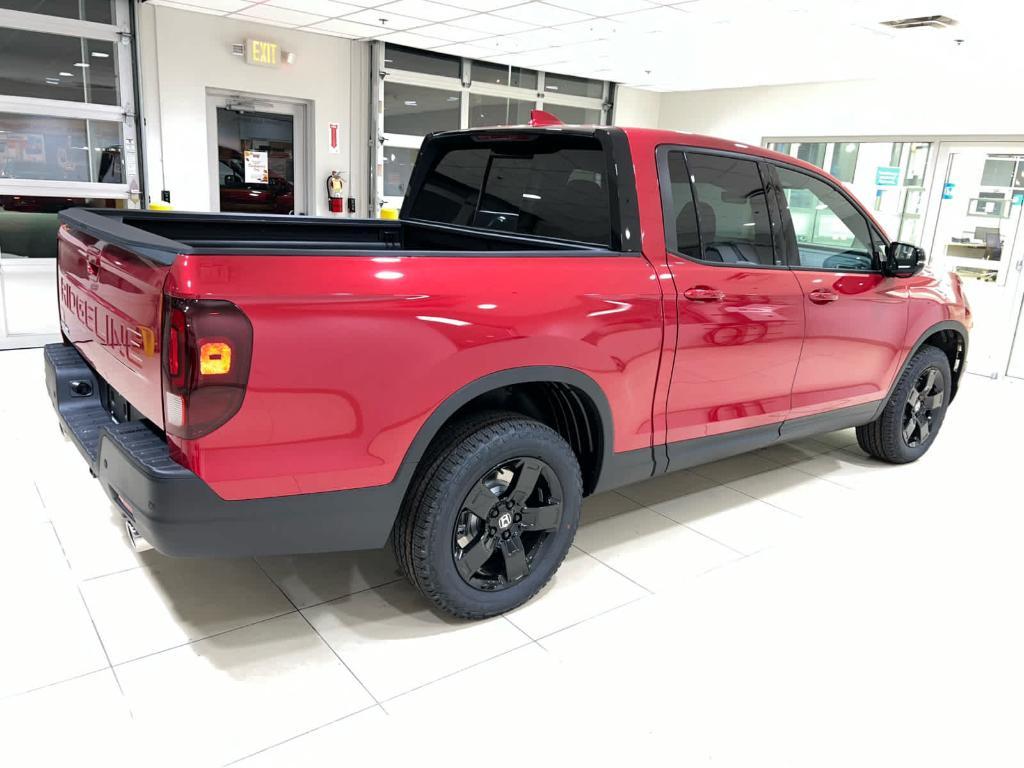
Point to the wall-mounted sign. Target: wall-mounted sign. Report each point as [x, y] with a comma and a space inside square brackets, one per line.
[887, 176]
[263, 53]
[334, 138]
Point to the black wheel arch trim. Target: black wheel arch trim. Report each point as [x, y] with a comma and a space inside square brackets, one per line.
[945, 325]
[533, 374]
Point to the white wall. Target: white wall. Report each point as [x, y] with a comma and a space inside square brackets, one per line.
[894, 107]
[635, 108]
[184, 53]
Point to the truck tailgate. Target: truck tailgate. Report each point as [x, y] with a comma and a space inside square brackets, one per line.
[110, 309]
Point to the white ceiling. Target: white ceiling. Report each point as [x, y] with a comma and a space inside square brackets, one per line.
[675, 45]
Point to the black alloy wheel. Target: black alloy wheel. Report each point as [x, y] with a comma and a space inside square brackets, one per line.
[924, 401]
[505, 521]
[490, 514]
[906, 427]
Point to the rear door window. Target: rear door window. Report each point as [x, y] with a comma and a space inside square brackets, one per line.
[732, 209]
[548, 186]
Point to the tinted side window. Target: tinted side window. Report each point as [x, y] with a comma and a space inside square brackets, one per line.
[452, 188]
[557, 187]
[681, 210]
[830, 232]
[732, 209]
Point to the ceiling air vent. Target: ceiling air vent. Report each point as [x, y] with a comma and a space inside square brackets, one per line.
[935, 22]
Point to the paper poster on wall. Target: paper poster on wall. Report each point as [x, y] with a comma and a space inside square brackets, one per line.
[257, 168]
[334, 138]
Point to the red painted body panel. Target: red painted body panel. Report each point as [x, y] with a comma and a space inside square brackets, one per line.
[351, 354]
[853, 344]
[109, 303]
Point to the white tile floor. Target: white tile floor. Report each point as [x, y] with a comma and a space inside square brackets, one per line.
[800, 606]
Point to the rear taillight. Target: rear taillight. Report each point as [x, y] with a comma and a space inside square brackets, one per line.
[206, 354]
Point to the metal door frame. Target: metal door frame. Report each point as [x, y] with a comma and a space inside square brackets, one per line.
[299, 110]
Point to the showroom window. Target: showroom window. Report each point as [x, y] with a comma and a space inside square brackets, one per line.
[422, 92]
[67, 138]
[886, 177]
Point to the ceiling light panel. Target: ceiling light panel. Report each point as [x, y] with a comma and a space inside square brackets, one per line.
[541, 14]
[326, 8]
[482, 6]
[383, 20]
[275, 15]
[424, 9]
[604, 7]
[489, 24]
[664, 19]
[215, 7]
[346, 28]
[451, 34]
[415, 40]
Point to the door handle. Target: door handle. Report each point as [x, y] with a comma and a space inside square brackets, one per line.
[822, 295]
[703, 293]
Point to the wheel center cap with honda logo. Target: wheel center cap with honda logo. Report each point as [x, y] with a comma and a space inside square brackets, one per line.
[505, 521]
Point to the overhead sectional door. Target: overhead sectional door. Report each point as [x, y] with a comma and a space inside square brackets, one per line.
[67, 138]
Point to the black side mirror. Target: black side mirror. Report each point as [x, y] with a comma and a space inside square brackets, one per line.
[903, 260]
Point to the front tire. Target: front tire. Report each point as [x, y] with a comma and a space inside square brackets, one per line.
[914, 413]
[490, 516]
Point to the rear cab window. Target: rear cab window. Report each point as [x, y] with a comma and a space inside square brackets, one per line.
[716, 209]
[545, 185]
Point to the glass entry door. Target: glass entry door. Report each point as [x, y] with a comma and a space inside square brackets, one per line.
[978, 236]
[258, 155]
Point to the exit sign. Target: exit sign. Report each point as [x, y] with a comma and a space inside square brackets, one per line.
[263, 53]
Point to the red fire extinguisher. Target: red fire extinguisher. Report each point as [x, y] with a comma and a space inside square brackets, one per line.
[335, 195]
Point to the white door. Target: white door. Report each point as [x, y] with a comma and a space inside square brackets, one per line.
[978, 236]
[258, 154]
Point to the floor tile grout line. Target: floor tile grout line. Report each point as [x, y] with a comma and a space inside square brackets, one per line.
[16, 694]
[187, 643]
[129, 569]
[694, 530]
[92, 621]
[322, 638]
[103, 647]
[304, 733]
[460, 670]
[349, 594]
[613, 569]
[605, 612]
[519, 629]
[39, 494]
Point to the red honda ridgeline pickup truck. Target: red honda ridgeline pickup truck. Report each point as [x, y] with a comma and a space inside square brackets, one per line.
[558, 311]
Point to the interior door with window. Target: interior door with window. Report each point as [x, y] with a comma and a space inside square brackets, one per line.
[856, 318]
[740, 313]
[257, 154]
[978, 236]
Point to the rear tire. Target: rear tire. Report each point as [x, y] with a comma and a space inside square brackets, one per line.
[912, 417]
[490, 515]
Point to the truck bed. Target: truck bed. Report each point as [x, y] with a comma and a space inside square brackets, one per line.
[162, 236]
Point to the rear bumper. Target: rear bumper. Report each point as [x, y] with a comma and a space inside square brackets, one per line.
[178, 513]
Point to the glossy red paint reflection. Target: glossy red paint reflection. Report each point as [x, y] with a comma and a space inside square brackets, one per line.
[351, 354]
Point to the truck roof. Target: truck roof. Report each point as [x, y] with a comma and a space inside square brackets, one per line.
[651, 136]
